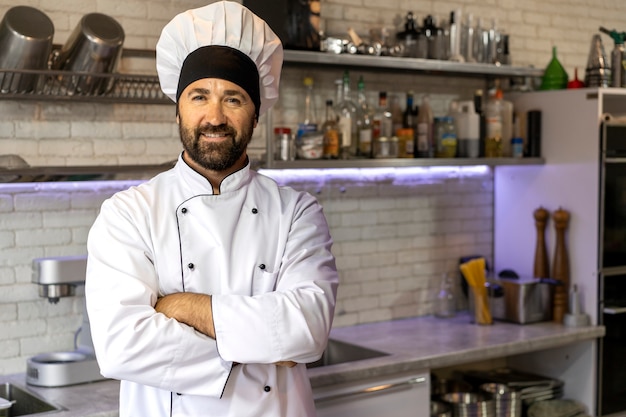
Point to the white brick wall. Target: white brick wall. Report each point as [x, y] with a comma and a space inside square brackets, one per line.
[395, 234]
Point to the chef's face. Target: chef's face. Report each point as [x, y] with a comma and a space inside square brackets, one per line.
[216, 119]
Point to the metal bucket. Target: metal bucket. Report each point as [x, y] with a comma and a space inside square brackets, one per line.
[25, 44]
[94, 47]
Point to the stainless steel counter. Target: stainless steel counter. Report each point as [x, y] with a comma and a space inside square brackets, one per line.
[413, 344]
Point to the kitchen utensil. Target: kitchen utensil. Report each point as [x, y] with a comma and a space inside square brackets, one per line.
[508, 401]
[25, 44]
[470, 404]
[575, 83]
[598, 72]
[440, 409]
[94, 47]
[555, 76]
[560, 265]
[542, 267]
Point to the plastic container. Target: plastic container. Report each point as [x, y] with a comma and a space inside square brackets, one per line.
[467, 123]
[284, 146]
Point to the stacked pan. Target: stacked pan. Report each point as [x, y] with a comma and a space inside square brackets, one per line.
[471, 404]
[508, 401]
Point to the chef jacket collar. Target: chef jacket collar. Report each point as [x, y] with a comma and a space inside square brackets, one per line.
[200, 185]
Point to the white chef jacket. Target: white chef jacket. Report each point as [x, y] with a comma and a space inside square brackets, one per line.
[264, 254]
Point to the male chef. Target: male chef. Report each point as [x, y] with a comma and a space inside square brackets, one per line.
[210, 287]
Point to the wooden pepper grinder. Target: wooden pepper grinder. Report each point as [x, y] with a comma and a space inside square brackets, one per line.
[542, 266]
[561, 265]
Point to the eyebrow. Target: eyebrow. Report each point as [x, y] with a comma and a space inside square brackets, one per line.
[206, 91]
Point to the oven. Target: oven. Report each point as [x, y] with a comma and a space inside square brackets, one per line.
[612, 285]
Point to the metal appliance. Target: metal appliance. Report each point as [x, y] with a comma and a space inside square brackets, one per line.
[58, 277]
[612, 285]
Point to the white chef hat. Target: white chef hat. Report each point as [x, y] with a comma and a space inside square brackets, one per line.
[221, 40]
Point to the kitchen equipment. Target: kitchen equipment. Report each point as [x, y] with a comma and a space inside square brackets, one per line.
[618, 69]
[58, 277]
[560, 269]
[575, 317]
[25, 44]
[440, 409]
[598, 72]
[519, 300]
[555, 76]
[94, 47]
[531, 387]
[404, 394]
[470, 404]
[541, 264]
[508, 401]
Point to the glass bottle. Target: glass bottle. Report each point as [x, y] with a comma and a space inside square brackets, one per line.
[332, 134]
[364, 122]
[347, 113]
[425, 147]
[446, 303]
[493, 125]
[446, 137]
[309, 122]
[381, 124]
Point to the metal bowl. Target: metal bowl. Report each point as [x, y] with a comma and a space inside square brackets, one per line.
[25, 44]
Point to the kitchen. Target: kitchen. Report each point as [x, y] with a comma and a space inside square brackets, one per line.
[396, 231]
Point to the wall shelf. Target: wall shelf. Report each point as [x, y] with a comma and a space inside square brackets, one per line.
[401, 162]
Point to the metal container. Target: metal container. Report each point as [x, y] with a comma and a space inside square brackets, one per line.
[519, 300]
[25, 44]
[93, 48]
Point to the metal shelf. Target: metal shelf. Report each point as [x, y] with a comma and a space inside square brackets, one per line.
[80, 86]
[400, 162]
[77, 173]
[386, 63]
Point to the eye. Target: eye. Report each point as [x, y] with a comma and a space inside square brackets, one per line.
[198, 97]
[233, 100]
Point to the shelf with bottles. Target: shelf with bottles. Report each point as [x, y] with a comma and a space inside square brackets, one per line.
[387, 63]
[400, 162]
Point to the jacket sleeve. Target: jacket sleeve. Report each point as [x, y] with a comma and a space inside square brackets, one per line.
[132, 342]
[293, 321]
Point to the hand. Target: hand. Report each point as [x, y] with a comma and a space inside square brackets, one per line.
[288, 364]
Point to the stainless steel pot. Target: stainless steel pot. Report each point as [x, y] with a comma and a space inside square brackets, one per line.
[25, 44]
[94, 47]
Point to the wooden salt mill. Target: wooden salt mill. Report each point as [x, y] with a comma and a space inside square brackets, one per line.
[542, 266]
[560, 266]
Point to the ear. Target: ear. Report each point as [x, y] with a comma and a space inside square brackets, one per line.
[177, 119]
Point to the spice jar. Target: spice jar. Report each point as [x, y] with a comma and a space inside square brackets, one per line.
[284, 146]
[385, 147]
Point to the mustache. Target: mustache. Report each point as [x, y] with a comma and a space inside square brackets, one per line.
[222, 129]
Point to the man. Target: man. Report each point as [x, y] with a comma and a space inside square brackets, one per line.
[210, 287]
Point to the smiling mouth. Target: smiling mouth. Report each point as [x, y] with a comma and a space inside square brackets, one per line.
[215, 136]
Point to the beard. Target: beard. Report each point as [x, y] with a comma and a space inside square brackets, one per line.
[215, 156]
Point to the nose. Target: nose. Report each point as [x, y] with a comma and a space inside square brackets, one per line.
[215, 113]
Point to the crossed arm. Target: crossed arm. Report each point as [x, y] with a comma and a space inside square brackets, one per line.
[194, 310]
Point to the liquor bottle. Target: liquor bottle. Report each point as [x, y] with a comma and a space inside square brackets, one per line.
[425, 119]
[382, 123]
[347, 113]
[364, 122]
[309, 122]
[409, 125]
[332, 134]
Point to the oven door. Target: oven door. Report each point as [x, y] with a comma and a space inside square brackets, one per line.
[613, 198]
[612, 381]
